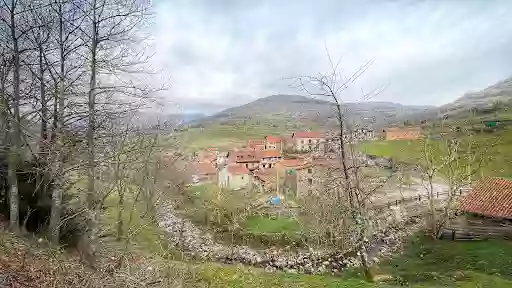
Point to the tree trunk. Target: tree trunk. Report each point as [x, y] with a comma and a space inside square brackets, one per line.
[92, 221]
[433, 220]
[44, 111]
[120, 214]
[59, 123]
[15, 131]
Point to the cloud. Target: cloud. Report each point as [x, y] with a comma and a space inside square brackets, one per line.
[225, 53]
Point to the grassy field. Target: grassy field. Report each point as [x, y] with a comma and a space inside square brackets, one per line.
[236, 134]
[141, 231]
[264, 225]
[497, 147]
[465, 264]
[424, 263]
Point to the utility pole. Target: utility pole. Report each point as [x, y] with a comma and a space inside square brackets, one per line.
[277, 181]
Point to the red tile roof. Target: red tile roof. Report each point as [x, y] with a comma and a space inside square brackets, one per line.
[238, 170]
[274, 139]
[244, 156]
[294, 163]
[266, 175]
[270, 153]
[491, 197]
[310, 134]
[254, 142]
[393, 129]
[203, 168]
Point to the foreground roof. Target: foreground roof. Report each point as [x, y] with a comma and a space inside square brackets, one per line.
[491, 197]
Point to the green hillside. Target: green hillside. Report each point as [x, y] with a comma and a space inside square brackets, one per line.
[496, 146]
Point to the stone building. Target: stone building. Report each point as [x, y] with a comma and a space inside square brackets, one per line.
[402, 133]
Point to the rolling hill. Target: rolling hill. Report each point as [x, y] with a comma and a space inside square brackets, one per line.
[492, 102]
[312, 111]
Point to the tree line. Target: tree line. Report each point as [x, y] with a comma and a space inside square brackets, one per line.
[73, 74]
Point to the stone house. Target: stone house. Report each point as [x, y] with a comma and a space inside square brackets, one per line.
[405, 133]
[269, 158]
[203, 172]
[308, 141]
[362, 134]
[305, 176]
[265, 179]
[273, 143]
[256, 144]
[288, 144]
[291, 169]
[248, 158]
[235, 177]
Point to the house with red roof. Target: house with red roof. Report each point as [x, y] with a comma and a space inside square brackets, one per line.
[256, 144]
[269, 158]
[273, 143]
[203, 172]
[235, 176]
[248, 158]
[308, 141]
[491, 197]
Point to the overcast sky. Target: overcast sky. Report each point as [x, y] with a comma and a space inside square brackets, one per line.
[222, 53]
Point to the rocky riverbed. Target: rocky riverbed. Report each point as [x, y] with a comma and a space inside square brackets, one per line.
[185, 235]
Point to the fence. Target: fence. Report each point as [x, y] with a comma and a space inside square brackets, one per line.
[417, 198]
[476, 233]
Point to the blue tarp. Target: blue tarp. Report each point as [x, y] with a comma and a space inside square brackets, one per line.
[274, 200]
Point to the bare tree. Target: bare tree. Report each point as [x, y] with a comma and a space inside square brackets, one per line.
[351, 196]
[456, 158]
[112, 26]
[12, 12]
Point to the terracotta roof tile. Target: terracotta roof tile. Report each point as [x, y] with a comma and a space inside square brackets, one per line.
[392, 129]
[491, 197]
[245, 156]
[203, 168]
[253, 143]
[274, 139]
[270, 153]
[238, 170]
[292, 162]
[266, 175]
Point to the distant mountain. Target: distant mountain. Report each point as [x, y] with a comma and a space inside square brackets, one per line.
[318, 111]
[147, 119]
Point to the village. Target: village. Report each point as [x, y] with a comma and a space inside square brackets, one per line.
[280, 167]
[298, 160]
[299, 163]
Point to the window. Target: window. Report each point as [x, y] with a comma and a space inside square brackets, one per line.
[310, 170]
[309, 141]
[310, 181]
[301, 141]
[242, 177]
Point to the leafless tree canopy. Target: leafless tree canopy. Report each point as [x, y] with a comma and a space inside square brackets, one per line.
[73, 74]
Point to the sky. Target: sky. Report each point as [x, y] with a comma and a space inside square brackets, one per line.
[224, 53]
